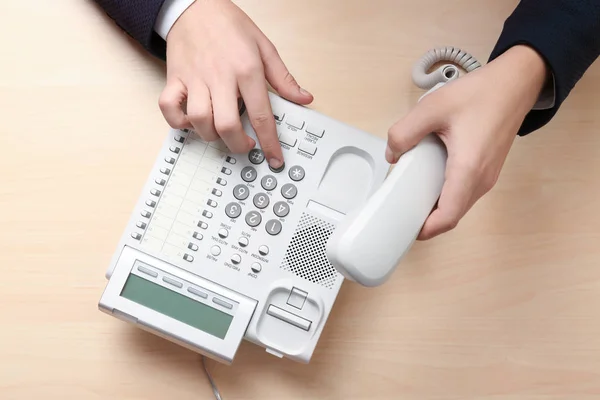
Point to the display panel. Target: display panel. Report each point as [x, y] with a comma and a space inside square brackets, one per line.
[176, 306]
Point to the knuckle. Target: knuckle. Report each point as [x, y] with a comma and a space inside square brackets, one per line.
[261, 120]
[226, 126]
[249, 68]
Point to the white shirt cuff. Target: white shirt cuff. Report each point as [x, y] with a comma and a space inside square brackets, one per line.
[169, 13]
[547, 97]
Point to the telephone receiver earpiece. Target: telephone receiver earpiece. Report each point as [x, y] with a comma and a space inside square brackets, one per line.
[371, 241]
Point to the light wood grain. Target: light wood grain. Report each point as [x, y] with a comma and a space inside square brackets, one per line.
[505, 307]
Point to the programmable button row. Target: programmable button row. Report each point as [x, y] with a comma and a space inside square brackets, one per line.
[190, 289]
[177, 220]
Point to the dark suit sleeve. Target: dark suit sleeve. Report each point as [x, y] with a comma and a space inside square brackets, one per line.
[137, 18]
[566, 33]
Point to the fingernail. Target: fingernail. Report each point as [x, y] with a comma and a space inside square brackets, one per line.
[305, 92]
[275, 163]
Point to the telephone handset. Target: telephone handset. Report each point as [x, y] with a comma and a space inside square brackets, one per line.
[371, 241]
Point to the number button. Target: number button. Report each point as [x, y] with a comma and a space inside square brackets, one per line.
[281, 209]
[253, 218]
[241, 192]
[249, 174]
[256, 156]
[269, 182]
[297, 173]
[273, 227]
[261, 200]
[233, 210]
[289, 191]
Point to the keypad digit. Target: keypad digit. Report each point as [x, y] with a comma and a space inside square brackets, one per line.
[268, 182]
[233, 210]
[249, 174]
[253, 218]
[273, 227]
[261, 200]
[241, 192]
[289, 191]
[281, 209]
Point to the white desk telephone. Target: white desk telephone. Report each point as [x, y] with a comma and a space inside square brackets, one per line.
[221, 248]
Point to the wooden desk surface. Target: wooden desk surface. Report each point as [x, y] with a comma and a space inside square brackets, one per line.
[507, 306]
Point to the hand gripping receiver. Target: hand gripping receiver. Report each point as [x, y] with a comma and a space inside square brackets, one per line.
[370, 242]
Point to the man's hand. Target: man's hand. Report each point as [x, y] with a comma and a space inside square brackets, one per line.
[477, 117]
[216, 54]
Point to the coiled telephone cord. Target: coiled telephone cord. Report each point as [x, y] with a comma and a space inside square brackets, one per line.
[445, 73]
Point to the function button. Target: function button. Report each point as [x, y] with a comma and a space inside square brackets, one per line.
[215, 250]
[296, 173]
[217, 192]
[277, 170]
[188, 257]
[170, 160]
[278, 115]
[175, 149]
[243, 241]
[289, 191]
[256, 156]
[165, 170]
[241, 192]
[141, 225]
[281, 209]
[160, 181]
[212, 203]
[197, 292]
[226, 171]
[236, 259]
[193, 246]
[136, 236]
[261, 200]
[147, 271]
[295, 122]
[145, 214]
[288, 138]
[263, 250]
[233, 210]
[207, 214]
[256, 267]
[198, 236]
[230, 160]
[308, 147]
[202, 225]
[221, 181]
[223, 233]
[150, 203]
[268, 182]
[222, 303]
[253, 218]
[155, 192]
[179, 139]
[249, 174]
[315, 130]
[273, 227]
[173, 281]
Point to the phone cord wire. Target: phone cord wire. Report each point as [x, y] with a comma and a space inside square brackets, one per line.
[454, 55]
[211, 380]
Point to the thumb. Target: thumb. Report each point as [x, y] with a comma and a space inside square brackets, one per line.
[280, 78]
[422, 120]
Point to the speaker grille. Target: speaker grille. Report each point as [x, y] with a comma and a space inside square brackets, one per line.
[306, 255]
